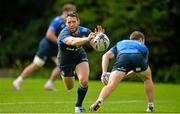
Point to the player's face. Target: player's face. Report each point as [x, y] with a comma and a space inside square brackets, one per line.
[72, 24]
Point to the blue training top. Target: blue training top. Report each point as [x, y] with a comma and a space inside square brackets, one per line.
[68, 52]
[82, 32]
[48, 48]
[129, 46]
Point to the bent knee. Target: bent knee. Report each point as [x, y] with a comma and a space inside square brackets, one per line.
[83, 83]
[69, 87]
[38, 61]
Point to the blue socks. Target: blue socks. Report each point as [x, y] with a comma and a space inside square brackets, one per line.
[81, 94]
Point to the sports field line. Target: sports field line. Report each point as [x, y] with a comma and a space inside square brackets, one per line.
[103, 113]
[115, 113]
[67, 102]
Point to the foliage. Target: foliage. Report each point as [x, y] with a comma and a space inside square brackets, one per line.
[22, 31]
[22, 26]
[168, 74]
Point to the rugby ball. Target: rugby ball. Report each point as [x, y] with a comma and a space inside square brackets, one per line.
[105, 78]
[100, 42]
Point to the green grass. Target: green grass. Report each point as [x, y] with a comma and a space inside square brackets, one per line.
[129, 97]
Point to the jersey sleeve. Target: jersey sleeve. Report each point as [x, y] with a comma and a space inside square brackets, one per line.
[88, 32]
[63, 35]
[144, 49]
[114, 50]
[85, 31]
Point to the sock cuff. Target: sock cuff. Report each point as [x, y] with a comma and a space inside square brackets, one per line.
[19, 78]
[150, 104]
[100, 100]
[50, 81]
[83, 88]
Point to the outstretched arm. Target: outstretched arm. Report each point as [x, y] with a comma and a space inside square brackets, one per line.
[80, 41]
[75, 41]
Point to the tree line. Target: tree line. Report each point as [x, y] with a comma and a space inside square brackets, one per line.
[24, 23]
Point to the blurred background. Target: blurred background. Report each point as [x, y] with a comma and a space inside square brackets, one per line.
[24, 22]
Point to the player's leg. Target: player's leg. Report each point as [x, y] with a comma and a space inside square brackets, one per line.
[114, 80]
[130, 74]
[49, 85]
[37, 63]
[68, 81]
[82, 71]
[54, 75]
[146, 76]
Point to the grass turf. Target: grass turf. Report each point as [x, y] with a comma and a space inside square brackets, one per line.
[129, 97]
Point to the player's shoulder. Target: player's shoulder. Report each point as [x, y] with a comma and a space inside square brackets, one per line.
[121, 42]
[127, 41]
[58, 19]
[83, 29]
[64, 30]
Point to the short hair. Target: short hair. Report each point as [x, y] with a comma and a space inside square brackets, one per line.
[73, 14]
[69, 7]
[136, 35]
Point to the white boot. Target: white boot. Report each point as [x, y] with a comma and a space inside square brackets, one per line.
[49, 86]
[78, 109]
[150, 107]
[17, 83]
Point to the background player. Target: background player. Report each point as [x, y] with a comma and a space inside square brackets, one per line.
[47, 49]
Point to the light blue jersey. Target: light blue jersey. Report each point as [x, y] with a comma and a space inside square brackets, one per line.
[129, 46]
[131, 55]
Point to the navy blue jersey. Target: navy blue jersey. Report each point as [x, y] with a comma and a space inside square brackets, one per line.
[57, 24]
[47, 48]
[70, 54]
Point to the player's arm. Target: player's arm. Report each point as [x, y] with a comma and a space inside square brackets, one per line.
[77, 41]
[51, 35]
[107, 56]
[105, 60]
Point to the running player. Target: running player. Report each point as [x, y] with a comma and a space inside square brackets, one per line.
[47, 49]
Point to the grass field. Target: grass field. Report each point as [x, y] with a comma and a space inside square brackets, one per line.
[128, 98]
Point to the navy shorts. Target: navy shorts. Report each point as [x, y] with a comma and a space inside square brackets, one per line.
[47, 49]
[68, 67]
[127, 62]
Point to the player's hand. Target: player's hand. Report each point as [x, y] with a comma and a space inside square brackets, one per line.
[103, 74]
[99, 29]
[91, 36]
